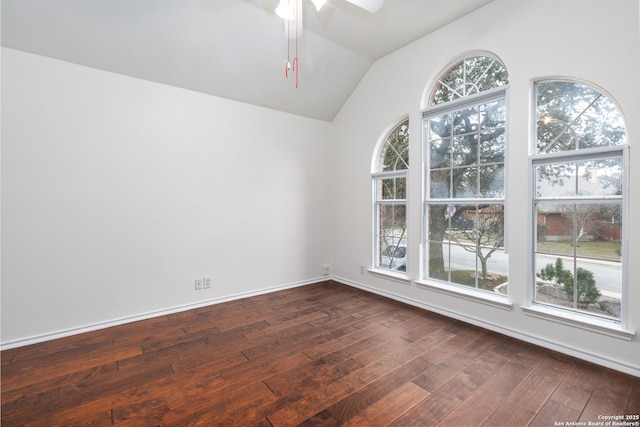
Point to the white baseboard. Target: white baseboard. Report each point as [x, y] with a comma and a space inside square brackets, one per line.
[599, 360]
[579, 354]
[163, 312]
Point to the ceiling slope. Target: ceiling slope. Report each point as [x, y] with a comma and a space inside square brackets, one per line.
[234, 49]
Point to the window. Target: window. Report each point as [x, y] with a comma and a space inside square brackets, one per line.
[579, 175]
[390, 199]
[465, 146]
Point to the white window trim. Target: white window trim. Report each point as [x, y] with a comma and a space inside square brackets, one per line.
[575, 319]
[471, 294]
[485, 97]
[394, 275]
[398, 276]
[589, 322]
[402, 173]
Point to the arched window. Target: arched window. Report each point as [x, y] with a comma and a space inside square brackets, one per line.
[579, 176]
[465, 144]
[468, 77]
[390, 199]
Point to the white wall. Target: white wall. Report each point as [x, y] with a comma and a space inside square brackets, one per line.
[117, 193]
[593, 40]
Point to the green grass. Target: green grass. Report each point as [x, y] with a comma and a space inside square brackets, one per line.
[467, 278]
[599, 250]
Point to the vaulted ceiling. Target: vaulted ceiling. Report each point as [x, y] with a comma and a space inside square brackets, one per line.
[235, 49]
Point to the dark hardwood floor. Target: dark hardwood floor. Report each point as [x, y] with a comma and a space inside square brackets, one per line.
[323, 354]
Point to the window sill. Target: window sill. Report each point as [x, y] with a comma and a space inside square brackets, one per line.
[576, 320]
[468, 294]
[390, 274]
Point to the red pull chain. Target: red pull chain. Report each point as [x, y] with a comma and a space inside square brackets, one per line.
[296, 68]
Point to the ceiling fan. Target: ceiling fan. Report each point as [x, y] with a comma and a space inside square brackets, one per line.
[285, 7]
[291, 12]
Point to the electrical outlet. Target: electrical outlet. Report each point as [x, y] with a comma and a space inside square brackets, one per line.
[206, 283]
[362, 269]
[326, 270]
[198, 284]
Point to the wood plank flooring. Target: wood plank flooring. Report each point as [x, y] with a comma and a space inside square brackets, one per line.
[323, 354]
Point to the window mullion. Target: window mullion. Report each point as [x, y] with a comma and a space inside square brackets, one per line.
[390, 202]
[581, 199]
[389, 175]
[460, 103]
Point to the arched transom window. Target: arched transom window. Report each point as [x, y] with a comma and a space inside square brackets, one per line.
[467, 77]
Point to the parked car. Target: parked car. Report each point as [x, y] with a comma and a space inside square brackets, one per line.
[394, 256]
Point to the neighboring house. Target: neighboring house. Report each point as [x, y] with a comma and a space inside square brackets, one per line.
[559, 226]
[594, 222]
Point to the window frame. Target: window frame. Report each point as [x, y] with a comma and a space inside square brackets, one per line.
[377, 176]
[566, 315]
[499, 93]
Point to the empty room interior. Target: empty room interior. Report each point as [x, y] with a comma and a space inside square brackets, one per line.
[306, 212]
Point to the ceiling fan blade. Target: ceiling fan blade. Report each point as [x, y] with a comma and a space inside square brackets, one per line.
[369, 5]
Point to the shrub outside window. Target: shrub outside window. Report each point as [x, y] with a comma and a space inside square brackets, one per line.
[465, 148]
[579, 175]
[390, 200]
